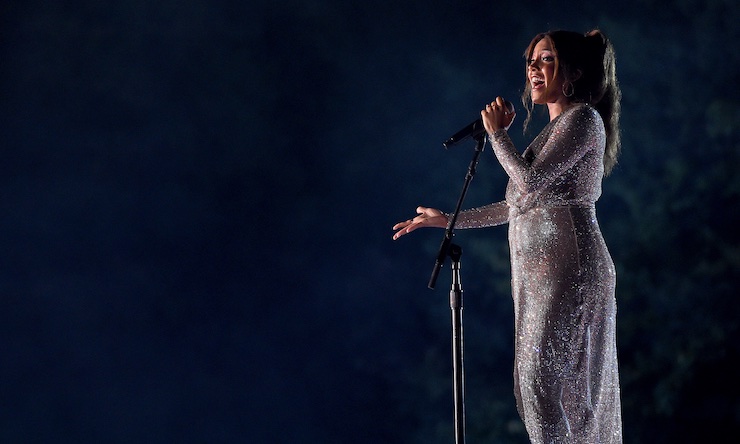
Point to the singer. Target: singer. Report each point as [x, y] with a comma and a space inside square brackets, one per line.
[566, 381]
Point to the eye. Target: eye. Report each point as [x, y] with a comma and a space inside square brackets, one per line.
[548, 58]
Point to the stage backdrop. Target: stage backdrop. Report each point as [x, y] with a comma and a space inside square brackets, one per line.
[196, 201]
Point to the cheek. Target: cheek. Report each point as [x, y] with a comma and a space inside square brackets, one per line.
[554, 82]
[549, 74]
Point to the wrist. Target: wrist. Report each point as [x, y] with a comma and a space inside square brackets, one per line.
[496, 133]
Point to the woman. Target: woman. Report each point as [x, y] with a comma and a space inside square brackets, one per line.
[563, 279]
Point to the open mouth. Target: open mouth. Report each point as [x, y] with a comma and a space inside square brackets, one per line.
[537, 82]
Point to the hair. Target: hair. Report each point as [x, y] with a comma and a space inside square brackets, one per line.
[587, 62]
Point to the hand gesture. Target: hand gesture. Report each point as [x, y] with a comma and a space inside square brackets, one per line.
[428, 217]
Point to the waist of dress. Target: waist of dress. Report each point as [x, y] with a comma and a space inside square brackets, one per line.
[576, 205]
[586, 206]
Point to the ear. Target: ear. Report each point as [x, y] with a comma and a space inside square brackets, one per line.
[578, 75]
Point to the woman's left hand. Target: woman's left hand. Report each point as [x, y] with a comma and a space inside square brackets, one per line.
[497, 115]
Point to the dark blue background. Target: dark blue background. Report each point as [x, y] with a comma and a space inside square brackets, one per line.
[196, 200]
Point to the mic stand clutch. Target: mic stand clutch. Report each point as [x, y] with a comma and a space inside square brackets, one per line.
[456, 305]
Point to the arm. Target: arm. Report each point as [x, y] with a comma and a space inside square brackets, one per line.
[568, 142]
[486, 216]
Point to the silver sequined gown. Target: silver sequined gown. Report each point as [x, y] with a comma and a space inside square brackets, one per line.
[566, 382]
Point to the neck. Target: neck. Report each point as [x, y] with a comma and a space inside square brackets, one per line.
[558, 107]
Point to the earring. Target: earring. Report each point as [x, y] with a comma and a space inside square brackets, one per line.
[568, 89]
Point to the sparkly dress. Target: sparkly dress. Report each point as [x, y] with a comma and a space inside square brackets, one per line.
[566, 382]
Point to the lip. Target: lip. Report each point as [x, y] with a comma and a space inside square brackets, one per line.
[537, 82]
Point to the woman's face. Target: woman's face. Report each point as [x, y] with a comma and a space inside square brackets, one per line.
[546, 88]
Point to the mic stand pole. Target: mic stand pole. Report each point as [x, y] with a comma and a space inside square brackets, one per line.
[458, 374]
[456, 304]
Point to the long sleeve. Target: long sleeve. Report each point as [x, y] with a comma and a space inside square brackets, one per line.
[568, 142]
[562, 166]
[486, 216]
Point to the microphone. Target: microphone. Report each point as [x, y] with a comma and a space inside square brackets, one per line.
[472, 130]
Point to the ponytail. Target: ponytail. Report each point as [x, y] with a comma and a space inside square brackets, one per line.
[606, 93]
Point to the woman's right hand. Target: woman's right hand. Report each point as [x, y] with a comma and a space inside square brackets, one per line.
[498, 114]
[428, 217]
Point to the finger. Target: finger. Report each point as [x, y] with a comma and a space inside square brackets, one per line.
[411, 228]
[508, 110]
[425, 213]
[403, 224]
[400, 225]
[400, 232]
[405, 230]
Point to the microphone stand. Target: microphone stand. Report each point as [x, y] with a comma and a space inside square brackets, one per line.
[447, 248]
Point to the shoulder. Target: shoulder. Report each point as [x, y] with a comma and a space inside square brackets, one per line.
[582, 117]
[582, 112]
